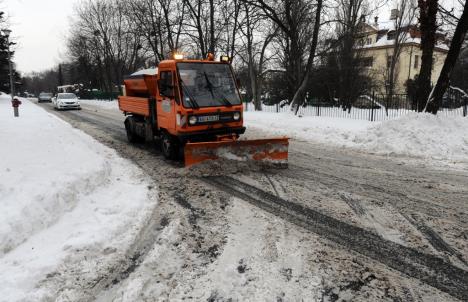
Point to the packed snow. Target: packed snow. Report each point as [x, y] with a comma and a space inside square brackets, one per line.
[261, 258]
[257, 249]
[61, 192]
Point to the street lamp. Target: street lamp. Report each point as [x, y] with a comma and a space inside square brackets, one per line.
[6, 33]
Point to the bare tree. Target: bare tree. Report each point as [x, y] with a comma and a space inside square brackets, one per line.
[201, 26]
[104, 37]
[160, 24]
[255, 48]
[300, 93]
[231, 13]
[435, 98]
[299, 24]
[350, 16]
[428, 26]
[403, 26]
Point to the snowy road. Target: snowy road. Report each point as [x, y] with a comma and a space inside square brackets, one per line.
[336, 225]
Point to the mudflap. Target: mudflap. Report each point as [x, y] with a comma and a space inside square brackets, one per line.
[271, 151]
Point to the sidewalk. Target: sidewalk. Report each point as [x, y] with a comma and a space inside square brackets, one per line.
[60, 191]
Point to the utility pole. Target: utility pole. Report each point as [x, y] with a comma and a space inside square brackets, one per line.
[7, 33]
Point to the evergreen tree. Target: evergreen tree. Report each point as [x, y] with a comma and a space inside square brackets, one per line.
[4, 64]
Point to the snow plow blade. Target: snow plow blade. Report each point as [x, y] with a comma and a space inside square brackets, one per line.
[274, 151]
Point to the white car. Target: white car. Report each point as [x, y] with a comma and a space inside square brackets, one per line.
[66, 101]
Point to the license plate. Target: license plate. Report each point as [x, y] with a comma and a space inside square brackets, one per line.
[208, 118]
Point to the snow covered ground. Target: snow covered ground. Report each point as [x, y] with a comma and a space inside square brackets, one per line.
[80, 223]
[61, 192]
[101, 103]
[440, 138]
[426, 136]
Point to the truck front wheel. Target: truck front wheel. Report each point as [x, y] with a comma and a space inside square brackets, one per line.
[169, 146]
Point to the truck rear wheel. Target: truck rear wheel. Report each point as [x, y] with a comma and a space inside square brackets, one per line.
[169, 146]
[131, 135]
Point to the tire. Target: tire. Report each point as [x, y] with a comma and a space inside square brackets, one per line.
[169, 146]
[131, 135]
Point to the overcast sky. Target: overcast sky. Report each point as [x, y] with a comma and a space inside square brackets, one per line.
[39, 27]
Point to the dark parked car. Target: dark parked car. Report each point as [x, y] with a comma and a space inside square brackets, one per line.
[45, 97]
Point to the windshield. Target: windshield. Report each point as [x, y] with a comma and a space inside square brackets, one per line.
[206, 85]
[67, 96]
[46, 94]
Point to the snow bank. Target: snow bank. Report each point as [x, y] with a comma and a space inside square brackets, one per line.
[102, 104]
[422, 135]
[5, 98]
[321, 129]
[60, 191]
[415, 135]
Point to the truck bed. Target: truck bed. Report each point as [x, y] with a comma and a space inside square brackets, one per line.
[135, 105]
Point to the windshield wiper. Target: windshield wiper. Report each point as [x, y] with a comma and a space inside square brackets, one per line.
[225, 100]
[210, 86]
[190, 98]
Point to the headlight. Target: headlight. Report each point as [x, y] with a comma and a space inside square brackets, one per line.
[236, 116]
[192, 120]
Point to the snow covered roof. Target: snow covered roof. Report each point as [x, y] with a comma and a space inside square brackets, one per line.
[149, 71]
[385, 27]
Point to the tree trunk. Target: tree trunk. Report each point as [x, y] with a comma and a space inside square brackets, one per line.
[428, 13]
[435, 99]
[212, 28]
[299, 96]
[253, 84]
[258, 94]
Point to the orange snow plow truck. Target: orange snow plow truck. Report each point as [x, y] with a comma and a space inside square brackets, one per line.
[194, 108]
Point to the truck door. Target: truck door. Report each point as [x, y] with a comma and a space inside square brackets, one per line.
[166, 101]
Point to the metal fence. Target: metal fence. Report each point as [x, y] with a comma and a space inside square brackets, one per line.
[376, 107]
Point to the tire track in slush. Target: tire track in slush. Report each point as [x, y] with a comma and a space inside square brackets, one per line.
[429, 269]
[434, 239]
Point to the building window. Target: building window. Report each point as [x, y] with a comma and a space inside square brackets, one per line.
[391, 35]
[389, 61]
[369, 41]
[367, 62]
[416, 61]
